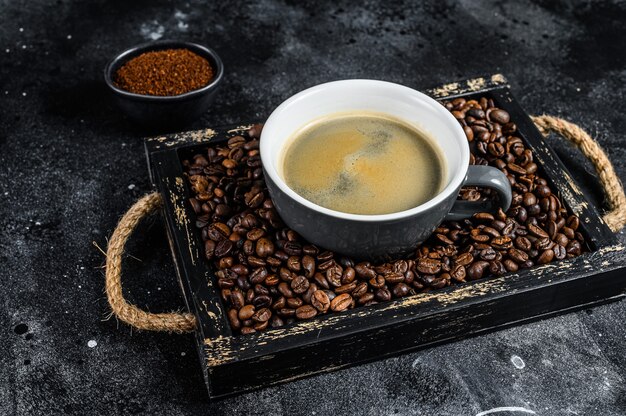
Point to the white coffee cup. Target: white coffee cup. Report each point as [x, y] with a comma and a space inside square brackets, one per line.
[386, 235]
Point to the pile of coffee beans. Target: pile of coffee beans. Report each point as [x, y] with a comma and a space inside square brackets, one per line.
[270, 277]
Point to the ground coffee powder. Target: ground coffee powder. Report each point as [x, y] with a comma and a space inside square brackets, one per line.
[164, 73]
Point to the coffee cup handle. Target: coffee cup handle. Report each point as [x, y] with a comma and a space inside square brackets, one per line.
[486, 177]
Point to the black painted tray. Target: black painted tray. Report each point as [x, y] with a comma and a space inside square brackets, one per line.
[236, 363]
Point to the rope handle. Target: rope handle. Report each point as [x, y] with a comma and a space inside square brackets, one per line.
[616, 200]
[132, 315]
[186, 322]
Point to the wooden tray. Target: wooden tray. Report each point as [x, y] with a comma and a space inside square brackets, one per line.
[237, 363]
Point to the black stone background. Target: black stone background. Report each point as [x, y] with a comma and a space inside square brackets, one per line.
[71, 164]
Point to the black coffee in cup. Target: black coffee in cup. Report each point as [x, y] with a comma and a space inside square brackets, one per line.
[363, 163]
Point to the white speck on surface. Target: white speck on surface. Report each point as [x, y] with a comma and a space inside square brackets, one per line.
[577, 89]
[518, 362]
[506, 409]
[92, 343]
[82, 267]
[80, 287]
[181, 18]
[7, 50]
[23, 94]
[182, 354]
[69, 37]
[21, 29]
[23, 46]
[131, 186]
[152, 30]
[37, 223]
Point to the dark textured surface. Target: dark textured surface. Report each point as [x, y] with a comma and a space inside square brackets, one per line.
[70, 164]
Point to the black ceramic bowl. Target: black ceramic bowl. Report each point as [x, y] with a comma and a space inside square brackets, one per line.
[159, 112]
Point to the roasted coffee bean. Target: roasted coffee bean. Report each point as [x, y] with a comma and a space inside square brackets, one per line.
[491, 232]
[321, 281]
[476, 269]
[326, 265]
[348, 288]
[569, 233]
[360, 289]
[320, 301]
[223, 248]
[209, 249]
[443, 239]
[464, 259]
[262, 315]
[285, 289]
[341, 302]
[258, 275]
[510, 265]
[233, 318]
[311, 250]
[543, 243]
[280, 303]
[364, 271]
[287, 312]
[574, 248]
[488, 254]
[559, 252]
[393, 278]
[428, 266]
[383, 294]
[499, 116]
[560, 238]
[293, 264]
[306, 312]
[285, 275]
[348, 275]
[294, 303]
[377, 282]
[262, 301]
[333, 275]
[545, 257]
[246, 312]
[255, 234]
[247, 330]
[458, 273]
[264, 248]
[365, 298]
[237, 299]
[300, 284]
[292, 248]
[308, 264]
[551, 229]
[260, 326]
[497, 268]
[517, 255]
[573, 222]
[400, 290]
[537, 231]
[501, 243]
[529, 199]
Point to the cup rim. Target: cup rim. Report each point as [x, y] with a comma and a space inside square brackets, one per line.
[452, 186]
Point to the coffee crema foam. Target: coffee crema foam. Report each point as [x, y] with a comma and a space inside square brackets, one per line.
[363, 163]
